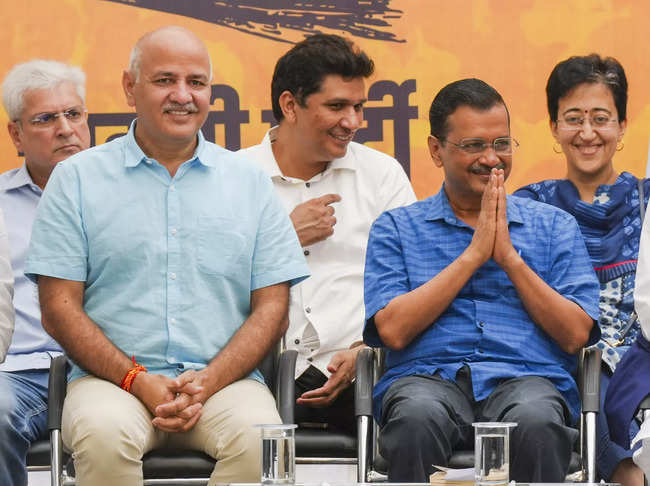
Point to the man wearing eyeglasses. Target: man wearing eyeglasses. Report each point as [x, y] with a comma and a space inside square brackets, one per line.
[482, 300]
[44, 101]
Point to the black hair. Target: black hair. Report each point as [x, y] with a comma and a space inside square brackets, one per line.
[577, 70]
[302, 69]
[470, 92]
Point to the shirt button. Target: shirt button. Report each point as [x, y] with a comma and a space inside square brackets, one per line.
[172, 320]
[173, 231]
[306, 252]
[310, 359]
[296, 341]
[481, 324]
[307, 310]
[172, 187]
[308, 184]
[172, 276]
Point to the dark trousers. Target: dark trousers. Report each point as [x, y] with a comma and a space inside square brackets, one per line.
[338, 416]
[426, 418]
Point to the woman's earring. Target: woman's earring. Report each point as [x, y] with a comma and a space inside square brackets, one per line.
[619, 146]
[557, 150]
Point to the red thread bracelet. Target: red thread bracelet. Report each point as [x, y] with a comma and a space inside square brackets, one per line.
[127, 381]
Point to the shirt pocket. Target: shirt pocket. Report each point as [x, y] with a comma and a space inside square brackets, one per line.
[221, 245]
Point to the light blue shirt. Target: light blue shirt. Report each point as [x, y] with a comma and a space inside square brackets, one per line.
[169, 263]
[31, 347]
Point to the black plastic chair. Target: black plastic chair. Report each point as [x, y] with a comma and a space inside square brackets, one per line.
[38, 456]
[160, 466]
[316, 446]
[373, 467]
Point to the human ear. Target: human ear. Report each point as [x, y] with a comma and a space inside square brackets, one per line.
[434, 150]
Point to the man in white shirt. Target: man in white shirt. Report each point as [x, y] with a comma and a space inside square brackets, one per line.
[6, 292]
[333, 189]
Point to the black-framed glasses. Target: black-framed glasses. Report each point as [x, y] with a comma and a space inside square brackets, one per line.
[597, 122]
[501, 145]
[76, 114]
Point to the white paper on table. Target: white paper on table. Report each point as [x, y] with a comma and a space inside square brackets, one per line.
[457, 474]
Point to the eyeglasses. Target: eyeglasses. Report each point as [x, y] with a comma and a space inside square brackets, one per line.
[45, 120]
[598, 122]
[501, 145]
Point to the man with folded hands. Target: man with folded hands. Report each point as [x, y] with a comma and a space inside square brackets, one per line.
[483, 301]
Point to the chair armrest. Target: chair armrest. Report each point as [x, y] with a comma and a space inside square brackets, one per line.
[285, 384]
[56, 391]
[364, 382]
[590, 378]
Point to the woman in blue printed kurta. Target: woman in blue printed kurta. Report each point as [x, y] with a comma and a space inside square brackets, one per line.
[587, 97]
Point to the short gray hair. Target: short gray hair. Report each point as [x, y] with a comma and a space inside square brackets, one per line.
[38, 74]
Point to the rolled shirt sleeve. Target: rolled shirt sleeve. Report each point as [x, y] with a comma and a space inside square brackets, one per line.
[385, 275]
[59, 246]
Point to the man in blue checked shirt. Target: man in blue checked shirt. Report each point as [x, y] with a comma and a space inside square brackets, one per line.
[482, 300]
[162, 249]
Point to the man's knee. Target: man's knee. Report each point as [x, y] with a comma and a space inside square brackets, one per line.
[533, 417]
[7, 408]
[416, 422]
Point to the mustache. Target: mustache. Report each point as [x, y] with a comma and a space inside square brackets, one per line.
[480, 169]
[189, 107]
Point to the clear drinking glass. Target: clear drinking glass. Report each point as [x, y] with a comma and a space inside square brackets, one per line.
[492, 453]
[278, 453]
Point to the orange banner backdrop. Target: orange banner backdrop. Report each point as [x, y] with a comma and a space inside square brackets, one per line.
[418, 46]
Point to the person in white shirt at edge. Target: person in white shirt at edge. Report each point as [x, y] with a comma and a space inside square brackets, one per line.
[6, 292]
[333, 189]
[48, 122]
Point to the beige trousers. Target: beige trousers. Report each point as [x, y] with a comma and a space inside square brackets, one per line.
[109, 430]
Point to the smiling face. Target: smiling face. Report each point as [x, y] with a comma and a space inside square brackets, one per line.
[589, 150]
[330, 118]
[172, 91]
[45, 146]
[466, 175]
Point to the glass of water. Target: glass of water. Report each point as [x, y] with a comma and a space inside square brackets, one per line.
[492, 453]
[278, 453]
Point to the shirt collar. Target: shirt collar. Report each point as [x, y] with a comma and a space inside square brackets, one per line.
[440, 208]
[19, 179]
[271, 165]
[134, 154]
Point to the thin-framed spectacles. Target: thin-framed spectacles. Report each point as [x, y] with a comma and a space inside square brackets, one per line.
[597, 122]
[501, 145]
[74, 115]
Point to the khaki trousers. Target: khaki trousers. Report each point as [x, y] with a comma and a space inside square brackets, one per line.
[109, 430]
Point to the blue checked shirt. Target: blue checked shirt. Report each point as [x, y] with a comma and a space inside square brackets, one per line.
[169, 264]
[486, 326]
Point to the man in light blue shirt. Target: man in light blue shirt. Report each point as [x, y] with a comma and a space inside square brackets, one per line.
[164, 250]
[45, 104]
